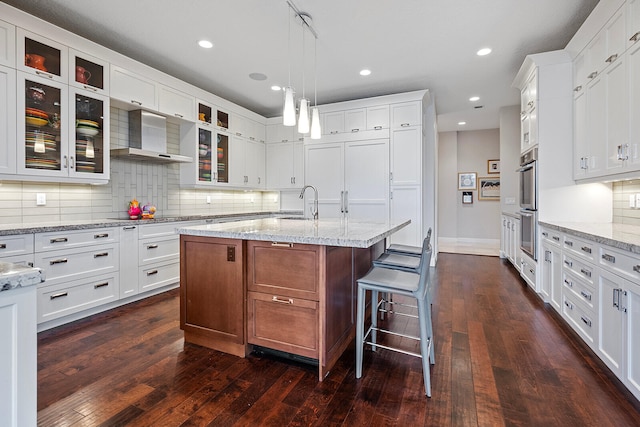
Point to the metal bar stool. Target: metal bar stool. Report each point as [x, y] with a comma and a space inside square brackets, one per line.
[390, 281]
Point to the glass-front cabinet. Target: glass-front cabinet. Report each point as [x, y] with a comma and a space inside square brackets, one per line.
[213, 157]
[88, 72]
[61, 133]
[41, 56]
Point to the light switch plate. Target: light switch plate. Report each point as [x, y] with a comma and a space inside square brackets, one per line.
[41, 199]
[208, 199]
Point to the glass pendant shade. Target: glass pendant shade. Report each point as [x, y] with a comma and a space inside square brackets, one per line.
[316, 132]
[303, 119]
[289, 112]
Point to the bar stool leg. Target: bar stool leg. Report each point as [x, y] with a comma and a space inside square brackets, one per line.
[360, 330]
[374, 318]
[425, 343]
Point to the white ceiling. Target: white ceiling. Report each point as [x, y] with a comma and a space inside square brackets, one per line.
[408, 45]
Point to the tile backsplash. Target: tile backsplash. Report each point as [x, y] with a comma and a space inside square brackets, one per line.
[622, 212]
[155, 183]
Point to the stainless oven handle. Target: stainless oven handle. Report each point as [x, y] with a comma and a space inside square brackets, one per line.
[525, 168]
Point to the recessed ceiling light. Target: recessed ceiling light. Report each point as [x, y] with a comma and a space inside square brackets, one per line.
[276, 88]
[462, 123]
[474, 98]
[484, 51]
[257, 76]
[365, 72]
[205, 44]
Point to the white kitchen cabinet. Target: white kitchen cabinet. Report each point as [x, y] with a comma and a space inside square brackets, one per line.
[333, 123]
[88, 72]
[133, 90]
[249, 129]
[351, 178]
[607, 45]
[579, 74]
[510, 240]
[17, 249]
[617, 106]
[633, 22]
[209, 148]
[237, 155]
[378, 117]
[595, 131]
[280, 133]
[633, 91]
[580, 136]
[7, 44]
[18, 358]
[406, 156]
[158, 255]
[551, 283]
[406, 114]
[529, 113]
[255, 166]
[42, 57]
[404, 206]
[129, 247]
[7, 121]
[175, 103]
[355, 120]
[285, 165]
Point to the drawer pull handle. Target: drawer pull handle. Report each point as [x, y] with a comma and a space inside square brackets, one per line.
[585, 272]
[133, 101]
[3, 246]
[60, 295]
[586, 321]
[568, 263]
[90, 88]
[152, 246]
[586, 295]
[58, 261]
[100, 236]
[282, 245]
[404, 125]
[636, 268]
[355, 130]
[609, 258]
[635, 37]
[568, 283]
[59, 240]
[586, 249]
[556, 238]
[568, 243]
[100, 285]
[40, 73]
[152, 272]
[569, 305]
[545, 234]
[377, 127]
[611, 58]
[131, 227]
[577, 89]
[101, 254]
[282, 301]
[592, 75]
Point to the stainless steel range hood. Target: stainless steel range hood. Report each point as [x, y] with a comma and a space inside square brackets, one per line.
[148, 139]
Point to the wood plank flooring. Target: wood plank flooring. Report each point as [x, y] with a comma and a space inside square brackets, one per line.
[502, 359]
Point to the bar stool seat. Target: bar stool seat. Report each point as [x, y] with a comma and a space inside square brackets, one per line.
[386, 281]
[415, 251]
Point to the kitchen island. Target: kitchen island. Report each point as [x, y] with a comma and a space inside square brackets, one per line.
[283, 284]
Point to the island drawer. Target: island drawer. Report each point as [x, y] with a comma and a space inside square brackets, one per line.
[286, 269]
[283, 323]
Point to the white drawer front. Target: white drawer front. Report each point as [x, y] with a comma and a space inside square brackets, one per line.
[16, 245]
[158, 276]
[73, 239]
[581, 248]
[551, 236]
[585, 271]
[625, 264]
[151, 251]
[579, 289]
[19, 259]
[583, 322]
[62, 266]
[69, 298]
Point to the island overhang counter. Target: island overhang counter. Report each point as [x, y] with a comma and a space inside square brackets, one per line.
[283, 284]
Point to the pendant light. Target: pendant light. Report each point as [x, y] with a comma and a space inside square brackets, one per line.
[289, 111]
[316, 132]
[303, 118]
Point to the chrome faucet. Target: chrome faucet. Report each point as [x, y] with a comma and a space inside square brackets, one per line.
[314, 210]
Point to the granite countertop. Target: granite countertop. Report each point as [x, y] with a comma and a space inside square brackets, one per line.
[620, 236]
[13, 276]
[328, 232]
[26, 228]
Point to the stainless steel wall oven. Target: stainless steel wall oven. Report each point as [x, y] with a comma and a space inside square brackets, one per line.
[529, 202]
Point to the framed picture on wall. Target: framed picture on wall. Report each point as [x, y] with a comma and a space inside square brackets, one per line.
[467, 197]
[467, 181]
[489, 189]
[493, 166]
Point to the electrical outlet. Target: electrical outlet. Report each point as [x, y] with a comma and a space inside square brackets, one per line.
[637, 200]
[41, 199]
[208, 200]
[632, 200]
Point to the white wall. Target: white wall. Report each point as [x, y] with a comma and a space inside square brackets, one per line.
[509, 158]
[467, 151]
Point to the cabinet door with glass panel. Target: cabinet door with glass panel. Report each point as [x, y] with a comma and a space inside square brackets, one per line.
[42, 128]
[213, 155]
[89, 141]
[89, 73]
[42, 57]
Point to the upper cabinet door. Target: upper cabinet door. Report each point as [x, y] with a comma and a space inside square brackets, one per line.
[333, 123]
[43, 57]
[178, 104]
[7, 44]
[7, 120]
[406, 114]
[378, 117]
[633, 22]
[88, 72]
[355, 120]
[133, 89]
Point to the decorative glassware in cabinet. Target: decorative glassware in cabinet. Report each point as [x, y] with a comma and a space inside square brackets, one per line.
[42, 56]
[223, 158]
[204, 156]
[89, 73]
[204, 113]
[43, 121]
[89, 135]
[223, 120]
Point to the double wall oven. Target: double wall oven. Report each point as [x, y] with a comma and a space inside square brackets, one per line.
[528, 203]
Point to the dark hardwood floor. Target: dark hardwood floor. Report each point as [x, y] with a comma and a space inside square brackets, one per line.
[502, 358]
